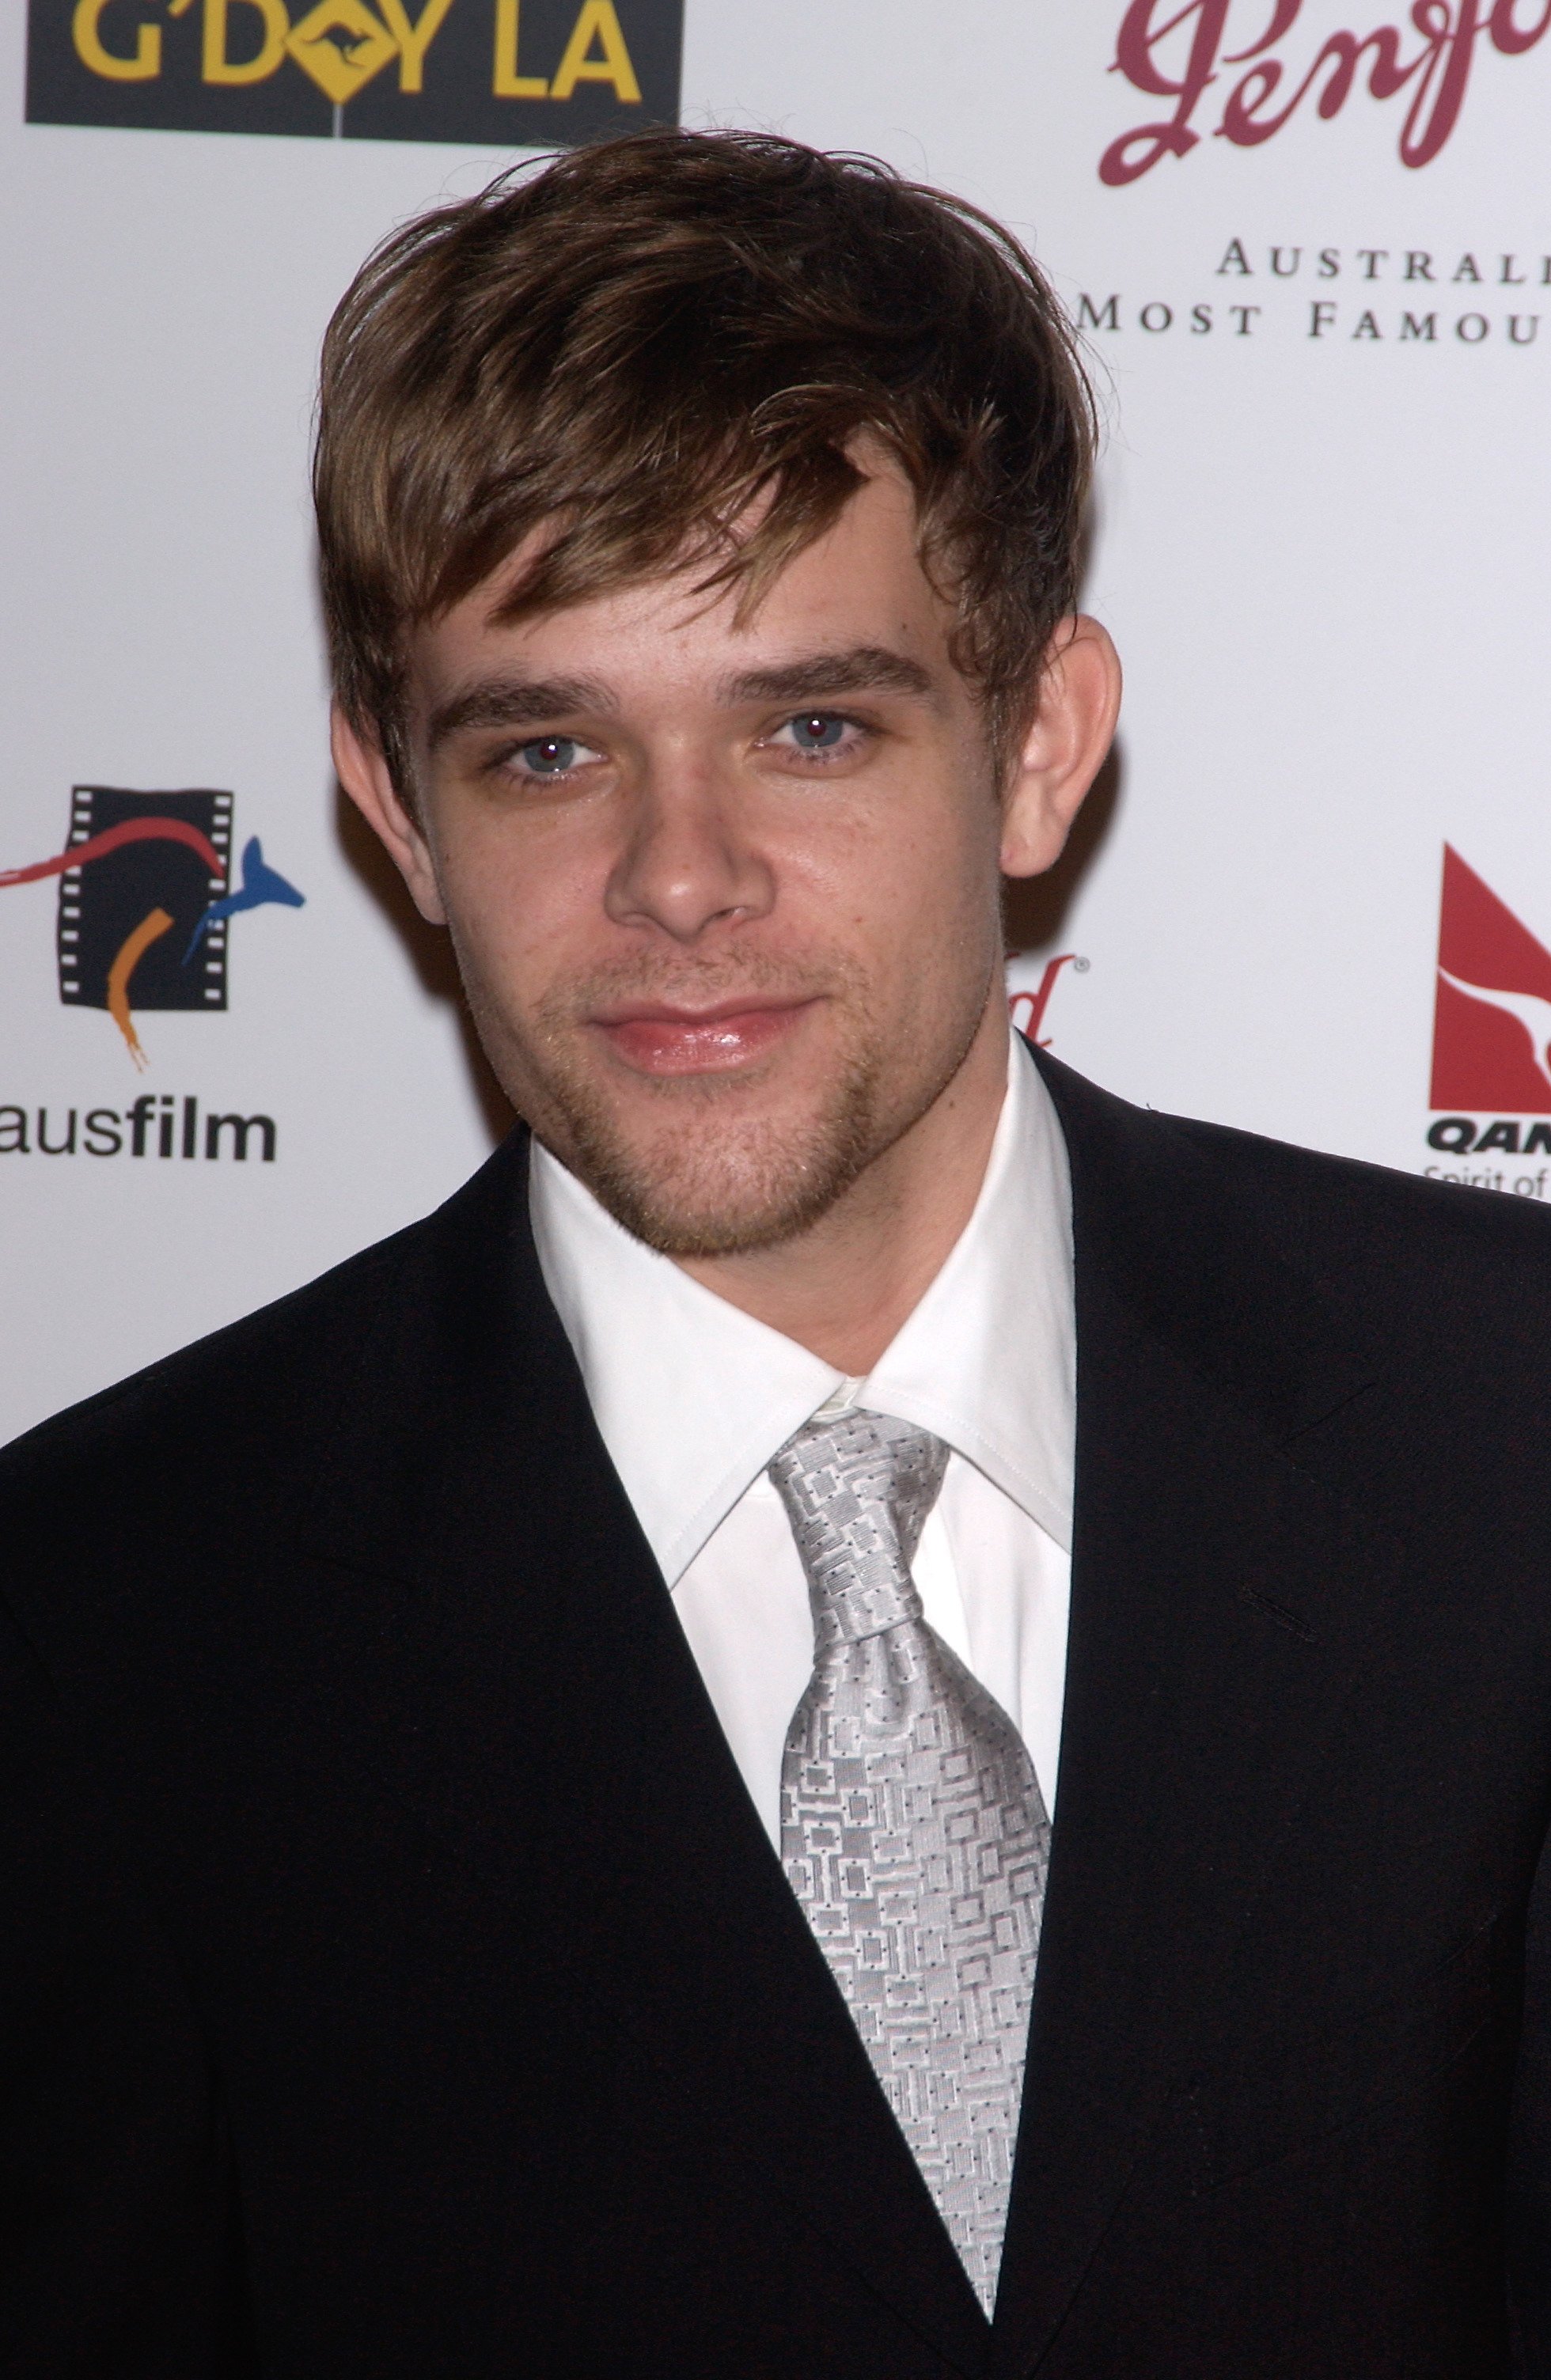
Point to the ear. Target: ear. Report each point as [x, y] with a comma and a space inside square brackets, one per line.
[1064, 745]
[364, 773]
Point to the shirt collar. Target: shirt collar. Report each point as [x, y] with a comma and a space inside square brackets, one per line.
[692, 1397]
[988, 1360]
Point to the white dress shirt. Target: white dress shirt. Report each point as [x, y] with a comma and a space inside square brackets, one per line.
[693, 1398]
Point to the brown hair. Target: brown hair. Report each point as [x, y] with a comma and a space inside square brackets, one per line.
[639, 340]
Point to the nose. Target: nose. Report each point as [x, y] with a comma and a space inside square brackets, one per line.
[689, 862]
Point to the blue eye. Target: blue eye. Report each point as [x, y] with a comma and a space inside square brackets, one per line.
[550, 755]
[818, 731]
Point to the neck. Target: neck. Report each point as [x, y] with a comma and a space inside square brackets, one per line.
[845, 1287]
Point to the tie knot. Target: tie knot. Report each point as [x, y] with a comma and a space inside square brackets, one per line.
[857, 1488]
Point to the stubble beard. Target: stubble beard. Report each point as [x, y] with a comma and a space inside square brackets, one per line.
[716, 1178]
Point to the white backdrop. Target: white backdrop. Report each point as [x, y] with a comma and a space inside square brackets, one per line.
[1322, 557]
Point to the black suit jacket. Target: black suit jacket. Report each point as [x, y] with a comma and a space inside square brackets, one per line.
[398, 1980]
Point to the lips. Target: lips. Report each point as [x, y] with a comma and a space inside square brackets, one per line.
[654, 1039]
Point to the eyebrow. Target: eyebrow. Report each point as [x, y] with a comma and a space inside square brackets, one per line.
[514, 702]
[859, 669]
[508, 702]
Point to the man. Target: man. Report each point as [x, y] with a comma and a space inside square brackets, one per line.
[868, 1714]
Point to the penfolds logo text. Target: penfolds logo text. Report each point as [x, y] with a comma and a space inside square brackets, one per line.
[1179, 54]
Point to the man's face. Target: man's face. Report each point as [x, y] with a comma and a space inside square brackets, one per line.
[725, 896]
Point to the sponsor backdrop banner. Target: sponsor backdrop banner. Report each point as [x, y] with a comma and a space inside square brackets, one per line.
[1309, 245]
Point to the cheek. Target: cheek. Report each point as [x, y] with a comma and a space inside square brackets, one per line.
[913, 883]
[517, 901]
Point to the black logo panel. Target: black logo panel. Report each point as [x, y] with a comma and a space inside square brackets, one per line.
[493, 73]
[134, 906]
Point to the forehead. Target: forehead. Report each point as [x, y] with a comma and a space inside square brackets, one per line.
[861, 583]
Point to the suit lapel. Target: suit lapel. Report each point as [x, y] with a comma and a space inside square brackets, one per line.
[551, 1716]
[1220, 1601]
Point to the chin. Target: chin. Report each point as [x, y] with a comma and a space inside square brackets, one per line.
[714, 1184]
[699, 1205]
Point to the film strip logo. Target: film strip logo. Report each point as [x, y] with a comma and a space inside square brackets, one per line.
[130, 911]
[145, 899]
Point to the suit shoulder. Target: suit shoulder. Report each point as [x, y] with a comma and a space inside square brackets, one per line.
[1336, 1212]
[1221, 1214]
[260, 1385]
[285, 1350]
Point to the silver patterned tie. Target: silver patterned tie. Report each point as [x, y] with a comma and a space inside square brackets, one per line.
[912, 1827]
